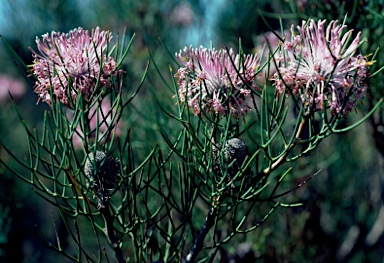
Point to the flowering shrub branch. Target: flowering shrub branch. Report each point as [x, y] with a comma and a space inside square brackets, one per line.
[229, 143]
[71, 163]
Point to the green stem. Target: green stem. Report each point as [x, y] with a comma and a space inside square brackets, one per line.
[281, 160]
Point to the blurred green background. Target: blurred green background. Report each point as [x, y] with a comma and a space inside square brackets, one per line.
[342, 217]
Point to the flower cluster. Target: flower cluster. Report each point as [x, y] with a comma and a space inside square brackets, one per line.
[320, 66]
[71, 64]
[216, 80]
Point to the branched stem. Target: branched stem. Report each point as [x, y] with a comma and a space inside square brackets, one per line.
[109, 232]
[281, 160]
[198, 245]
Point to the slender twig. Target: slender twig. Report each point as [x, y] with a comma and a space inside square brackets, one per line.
[281, 160]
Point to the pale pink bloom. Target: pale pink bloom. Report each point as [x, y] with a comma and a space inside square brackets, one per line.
[100, 115]
[182, 14]
[67, 65]
[9, 84]
[321, 67]
[216, 80]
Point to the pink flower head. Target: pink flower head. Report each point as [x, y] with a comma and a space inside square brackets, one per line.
[320, 66]
[8, 84]
[100, 115]
[182, 14]
[71, 64]
[216, 80]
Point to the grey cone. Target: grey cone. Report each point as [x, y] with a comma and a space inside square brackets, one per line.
[108, 170]
[233, 149]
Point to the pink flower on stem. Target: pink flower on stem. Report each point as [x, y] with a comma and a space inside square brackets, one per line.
[216, 80]
[320, 67]
[67, 65]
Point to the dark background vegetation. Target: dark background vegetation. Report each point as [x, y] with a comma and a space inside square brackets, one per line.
[342, 216]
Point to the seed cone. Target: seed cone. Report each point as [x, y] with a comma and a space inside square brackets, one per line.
[107, 171]
[234, 150]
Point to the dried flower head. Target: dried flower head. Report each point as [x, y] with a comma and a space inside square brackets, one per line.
[67, 65]
[105, 176]
[321, 67]
[216, 80]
